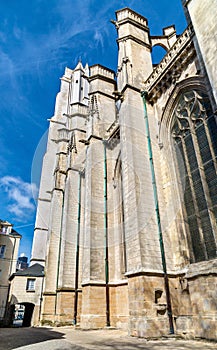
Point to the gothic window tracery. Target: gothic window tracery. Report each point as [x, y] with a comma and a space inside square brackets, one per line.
[194, 133]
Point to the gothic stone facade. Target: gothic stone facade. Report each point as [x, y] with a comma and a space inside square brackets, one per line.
[126, 219]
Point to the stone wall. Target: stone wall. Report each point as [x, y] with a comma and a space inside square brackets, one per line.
[8, 267]
[118, 205]
[203, 18]
[202, 281]
[20, 295]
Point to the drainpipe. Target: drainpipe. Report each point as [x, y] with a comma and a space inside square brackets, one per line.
[163, 258]
[106, 239]
[77, 250]
[7, 305]
[59, 252]
[41, 298]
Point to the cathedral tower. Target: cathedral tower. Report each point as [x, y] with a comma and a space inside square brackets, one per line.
[126, 217]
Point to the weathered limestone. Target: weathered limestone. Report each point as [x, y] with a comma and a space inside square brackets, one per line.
[134, 59]
[48, 168]
[203, 19]
[102, 115]
[30, 298]
[128, 189]
[9, 247]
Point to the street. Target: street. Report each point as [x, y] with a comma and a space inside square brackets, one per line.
[67, 338]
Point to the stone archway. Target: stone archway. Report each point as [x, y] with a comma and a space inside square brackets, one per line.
[21, 316]
[29, 308]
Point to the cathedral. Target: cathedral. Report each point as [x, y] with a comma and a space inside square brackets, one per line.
[126, 217]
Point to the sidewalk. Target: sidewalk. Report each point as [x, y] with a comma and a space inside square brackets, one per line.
[67, 338]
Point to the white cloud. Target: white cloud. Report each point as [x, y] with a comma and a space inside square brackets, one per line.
[37, 50]
[99, 38]
[20, 196]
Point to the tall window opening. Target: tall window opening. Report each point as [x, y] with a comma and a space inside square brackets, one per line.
[2, 251]
[194, 133]
[119, 215]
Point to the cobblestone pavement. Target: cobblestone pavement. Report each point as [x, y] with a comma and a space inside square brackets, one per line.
[67, 338]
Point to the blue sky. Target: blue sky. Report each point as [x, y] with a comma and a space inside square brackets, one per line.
[38, 39]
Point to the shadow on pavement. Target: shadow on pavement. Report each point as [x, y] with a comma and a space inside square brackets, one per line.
[12, 338]
[149, 345]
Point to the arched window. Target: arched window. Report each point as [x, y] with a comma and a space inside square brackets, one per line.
[194, 132]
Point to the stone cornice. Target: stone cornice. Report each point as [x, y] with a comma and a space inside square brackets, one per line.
[80, 171]
[143, 27]
[77, 110]
[203, 268]
[68, 290]
[103, 284]
[102, 93]
[138, 41]
[100, 72]
[105, 69]
[149, 272]
[181, 51]
[66, 79]
[94, 137]
[128, 86]
[93, 284]
[41, 228]
[43, 199]
[132, 16]
[49, 293]
[36, 259]
[78, 129]
[118, 283]
[101, 77]
[58, 189]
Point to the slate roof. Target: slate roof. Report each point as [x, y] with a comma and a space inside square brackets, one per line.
[4, 223]
[15, 233]
[35, 270]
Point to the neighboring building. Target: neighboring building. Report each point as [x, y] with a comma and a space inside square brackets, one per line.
[9, 246]
[25, 296]
[127, 208]
[22, 262]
